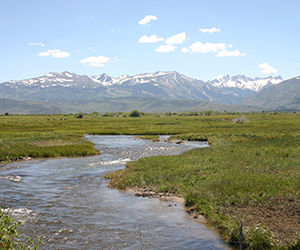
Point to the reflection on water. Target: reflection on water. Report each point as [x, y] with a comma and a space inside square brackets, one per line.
[67, 202]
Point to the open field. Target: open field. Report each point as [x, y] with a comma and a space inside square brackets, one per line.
[251, 172]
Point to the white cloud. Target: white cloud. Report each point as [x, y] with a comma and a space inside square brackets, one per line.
[185, 49]
[166, 48]
[267, 69]
[95, 61]
[229, 45]
[223, 53]
[204, 48]
[147, 19]
[210, 30]
[115, 60]
[151, 39]
[55, 53]
[299, 64]
[32, 44]
[91, 48]
[176, 39]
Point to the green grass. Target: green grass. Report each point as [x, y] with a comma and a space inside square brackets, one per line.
[250, 164]
[14, 146]
[235, 170]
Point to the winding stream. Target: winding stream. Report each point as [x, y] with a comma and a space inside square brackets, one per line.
[67, 202]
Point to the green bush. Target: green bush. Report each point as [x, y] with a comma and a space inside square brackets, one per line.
[135, 113]
[9, 236]
[79, 115]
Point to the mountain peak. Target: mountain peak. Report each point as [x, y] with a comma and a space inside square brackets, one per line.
[243, 82]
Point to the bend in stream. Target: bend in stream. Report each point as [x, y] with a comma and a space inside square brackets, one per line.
[67, 202]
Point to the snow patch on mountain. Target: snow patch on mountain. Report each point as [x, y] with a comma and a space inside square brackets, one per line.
[131, 80]
[159, 73]
[172, 80]
[244, 82]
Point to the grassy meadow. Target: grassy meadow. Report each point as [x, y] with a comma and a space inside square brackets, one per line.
[250, 172]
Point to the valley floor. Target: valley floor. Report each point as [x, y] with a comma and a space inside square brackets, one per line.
[249, 173]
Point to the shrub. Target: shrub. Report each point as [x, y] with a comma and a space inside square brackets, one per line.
[9, 236]
[79, 115]
[135, 113]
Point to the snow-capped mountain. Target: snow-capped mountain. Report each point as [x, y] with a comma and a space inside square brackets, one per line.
[163, 85]
[244, 82]
[67, 79]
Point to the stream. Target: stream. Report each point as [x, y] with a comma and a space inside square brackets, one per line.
[68, 203]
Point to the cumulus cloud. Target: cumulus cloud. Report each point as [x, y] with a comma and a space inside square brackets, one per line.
[166, 48]
[55, 53]
[185, 49]
[151, 39]
[147, 19]
[176, 39]
[210, 30]
[32, 44]
[223, 53]
[267, 69]
[207, 47]
[95, 61]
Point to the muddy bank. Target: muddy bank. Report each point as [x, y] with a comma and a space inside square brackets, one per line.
[173, 198]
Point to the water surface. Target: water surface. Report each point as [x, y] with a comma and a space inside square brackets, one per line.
[67, 202]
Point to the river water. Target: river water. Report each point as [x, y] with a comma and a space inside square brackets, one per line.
[68, 203]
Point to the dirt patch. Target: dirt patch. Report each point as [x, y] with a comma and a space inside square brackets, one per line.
[281, 215]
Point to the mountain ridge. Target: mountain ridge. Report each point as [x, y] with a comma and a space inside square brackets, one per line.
[281, 97]
[163, 85]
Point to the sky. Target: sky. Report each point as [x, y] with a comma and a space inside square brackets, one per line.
[201, 39]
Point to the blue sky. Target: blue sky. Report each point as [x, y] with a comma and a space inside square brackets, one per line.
[197, 38]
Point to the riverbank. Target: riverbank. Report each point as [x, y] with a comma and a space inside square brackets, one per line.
[249, 178]
[175, 199]
[29, 145]
[50, 189]
[250, 172]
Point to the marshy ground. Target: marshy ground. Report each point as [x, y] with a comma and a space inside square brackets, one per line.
[250, 172]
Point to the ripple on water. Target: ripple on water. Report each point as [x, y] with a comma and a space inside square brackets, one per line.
[20, 214]
[15, 178]
[68, 202]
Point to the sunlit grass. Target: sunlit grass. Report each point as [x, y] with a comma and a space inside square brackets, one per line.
[249, 163]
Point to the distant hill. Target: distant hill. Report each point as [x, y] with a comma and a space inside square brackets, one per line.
[283, 96]
[171, 85]
[153, 105]
[30, 107]
[148, 104]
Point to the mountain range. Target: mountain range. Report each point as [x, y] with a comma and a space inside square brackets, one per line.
[162, 85]
[70, 92]
[282, 97]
